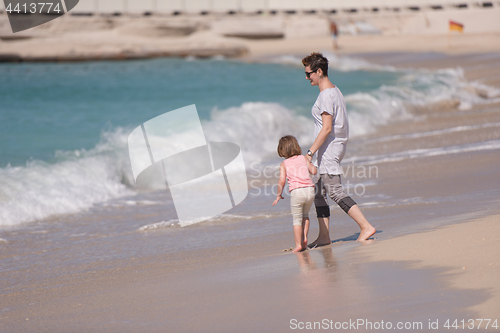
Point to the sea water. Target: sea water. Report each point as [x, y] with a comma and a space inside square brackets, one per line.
[64, 127]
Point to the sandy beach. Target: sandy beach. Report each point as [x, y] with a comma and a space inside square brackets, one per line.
[434, 258]
[467, 252]
[77, 38]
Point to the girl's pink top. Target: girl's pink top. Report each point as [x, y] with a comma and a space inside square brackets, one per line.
[297, 173]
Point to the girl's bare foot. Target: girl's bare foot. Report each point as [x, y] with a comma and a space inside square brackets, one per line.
[304, 244]
[297, 249]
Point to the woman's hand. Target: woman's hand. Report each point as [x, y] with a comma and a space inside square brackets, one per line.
[277, 199]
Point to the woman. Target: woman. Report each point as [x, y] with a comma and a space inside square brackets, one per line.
[331, 129]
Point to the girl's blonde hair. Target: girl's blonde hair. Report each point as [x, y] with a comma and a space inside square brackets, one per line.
[288, 147]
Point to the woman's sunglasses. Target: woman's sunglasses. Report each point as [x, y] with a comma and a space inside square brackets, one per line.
[308, 74]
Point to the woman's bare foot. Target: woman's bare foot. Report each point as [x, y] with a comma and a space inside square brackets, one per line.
[297, 249]
[366, 233]
[366, 228]
[320, 242]
[324, 233]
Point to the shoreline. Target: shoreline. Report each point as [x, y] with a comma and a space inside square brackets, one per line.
[48, 50]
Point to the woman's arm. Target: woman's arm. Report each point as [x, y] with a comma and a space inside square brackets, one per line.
[281, 183]
[327, 120]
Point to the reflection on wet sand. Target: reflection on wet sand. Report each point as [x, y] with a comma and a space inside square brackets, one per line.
[330, 282]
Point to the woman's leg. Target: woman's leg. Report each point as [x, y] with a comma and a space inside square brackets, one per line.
[367, 230]
[323, 214]
[324, 232]
[337, 194]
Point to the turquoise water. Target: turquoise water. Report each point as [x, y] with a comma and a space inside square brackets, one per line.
[49, 107]
[64, 127]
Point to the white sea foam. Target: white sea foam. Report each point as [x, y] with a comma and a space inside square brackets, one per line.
[257, 127]
[218, 219]
[77, 181]
[391, 202]
[142, 203]
[423, 89]
[445, 88]
[434, 133]
[159, 225]
[420, 153]
[339, 63]
[82, 178]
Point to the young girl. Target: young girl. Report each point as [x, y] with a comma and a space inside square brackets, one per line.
[296, 169]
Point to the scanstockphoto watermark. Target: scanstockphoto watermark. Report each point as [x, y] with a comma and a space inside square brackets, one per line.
[365, 324]
[205, 179]
[357, 324]
[24, 14]
[263, 179]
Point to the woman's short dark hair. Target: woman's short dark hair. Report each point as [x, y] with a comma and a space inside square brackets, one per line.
[316, 60]
[288, 147]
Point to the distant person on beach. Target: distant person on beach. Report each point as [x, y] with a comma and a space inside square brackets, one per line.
[334, 34]
[331, 132]
[296, 169]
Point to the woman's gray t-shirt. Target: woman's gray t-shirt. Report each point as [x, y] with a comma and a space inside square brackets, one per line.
[332, 151]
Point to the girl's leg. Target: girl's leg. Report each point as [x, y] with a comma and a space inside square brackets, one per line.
[297, 235]
[304, 199]
[305, 231]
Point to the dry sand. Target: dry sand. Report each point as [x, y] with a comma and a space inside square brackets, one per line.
[73, 38]
[468, 252]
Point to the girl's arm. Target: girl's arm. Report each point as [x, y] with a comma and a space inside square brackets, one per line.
[327, 120]
[312, 169]
[281, 183]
